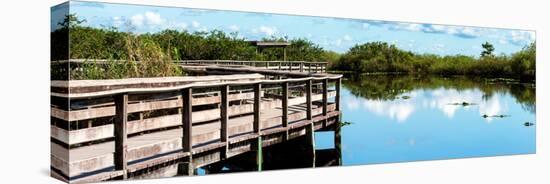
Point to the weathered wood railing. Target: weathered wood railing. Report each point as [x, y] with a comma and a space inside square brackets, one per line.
[106, 129]
[301, 66]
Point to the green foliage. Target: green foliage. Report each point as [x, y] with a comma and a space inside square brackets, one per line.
[487, 49]
[376, 57]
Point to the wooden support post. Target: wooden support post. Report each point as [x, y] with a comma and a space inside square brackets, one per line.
[308, 99]
[187, 107]
[284, 53]
[301, 66]
[280, 63]
[267, 65]
[338, 140]
[224, 105]
[338, 84]
[309, 67]
[257, 107]
[325, 96]
[310, 138]
[186, 168]
[285, 107]
[121, 137]
[259, 153]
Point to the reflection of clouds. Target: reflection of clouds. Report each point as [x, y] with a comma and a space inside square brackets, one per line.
[435, 100]
[399, 110]
[352, 103]
[442, 98]
[492, 107]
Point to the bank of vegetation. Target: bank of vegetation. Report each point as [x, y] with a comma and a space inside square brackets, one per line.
[376, 57]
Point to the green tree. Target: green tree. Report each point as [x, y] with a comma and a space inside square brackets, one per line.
[487, 49]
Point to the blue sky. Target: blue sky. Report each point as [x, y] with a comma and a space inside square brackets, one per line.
[334, 34]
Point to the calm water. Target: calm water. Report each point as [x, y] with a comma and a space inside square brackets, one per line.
[404, 118]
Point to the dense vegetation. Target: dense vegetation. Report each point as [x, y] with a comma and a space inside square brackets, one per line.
[382, 57]
[150, 54]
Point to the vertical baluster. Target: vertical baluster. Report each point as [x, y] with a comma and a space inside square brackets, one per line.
[224, 105]
[285, 107]
[121, 137]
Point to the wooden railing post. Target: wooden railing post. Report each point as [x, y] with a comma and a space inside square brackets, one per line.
[316, 68]
[325, 97]
[257, 107]
[121, 137]
[224, 105]
[280, 63]
[308, 99]
[309, 67]
[187, 119]
[285, 107]
[301, 66]
[310, 128]
[267, 65]
[338, 85]
[290, 66]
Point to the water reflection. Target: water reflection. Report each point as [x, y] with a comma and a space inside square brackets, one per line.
[408, 118]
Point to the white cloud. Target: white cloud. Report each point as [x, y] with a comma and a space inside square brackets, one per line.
[117, 21]
[347, 38]
[268, 31]
[147, 18]
[195, 24]
[137, 20]
[233, 28]
[521, 37]
[153, 18]
[203, 29]
[338, 42]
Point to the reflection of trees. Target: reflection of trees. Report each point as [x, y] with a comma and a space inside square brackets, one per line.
[389, 87]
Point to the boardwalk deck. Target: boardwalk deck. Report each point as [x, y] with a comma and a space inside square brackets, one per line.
[113, 128]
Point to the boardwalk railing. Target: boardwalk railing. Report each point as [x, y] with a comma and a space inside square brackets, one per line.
[104, 129]
[301, 66]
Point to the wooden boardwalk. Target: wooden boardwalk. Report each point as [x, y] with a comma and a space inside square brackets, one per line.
[111, 129]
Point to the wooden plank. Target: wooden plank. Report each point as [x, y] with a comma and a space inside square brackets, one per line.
[136, 126]
[76, 115]
[187, 119]
[90, 158]
[121, 118]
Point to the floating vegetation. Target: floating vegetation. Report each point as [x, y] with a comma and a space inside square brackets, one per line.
[463, 103]
[405, 97]
[495, 116]
[345, 123]
[528, 124]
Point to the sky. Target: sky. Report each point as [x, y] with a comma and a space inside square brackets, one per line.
[336, 34]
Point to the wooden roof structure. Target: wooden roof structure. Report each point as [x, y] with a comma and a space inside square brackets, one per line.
[268, 44]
